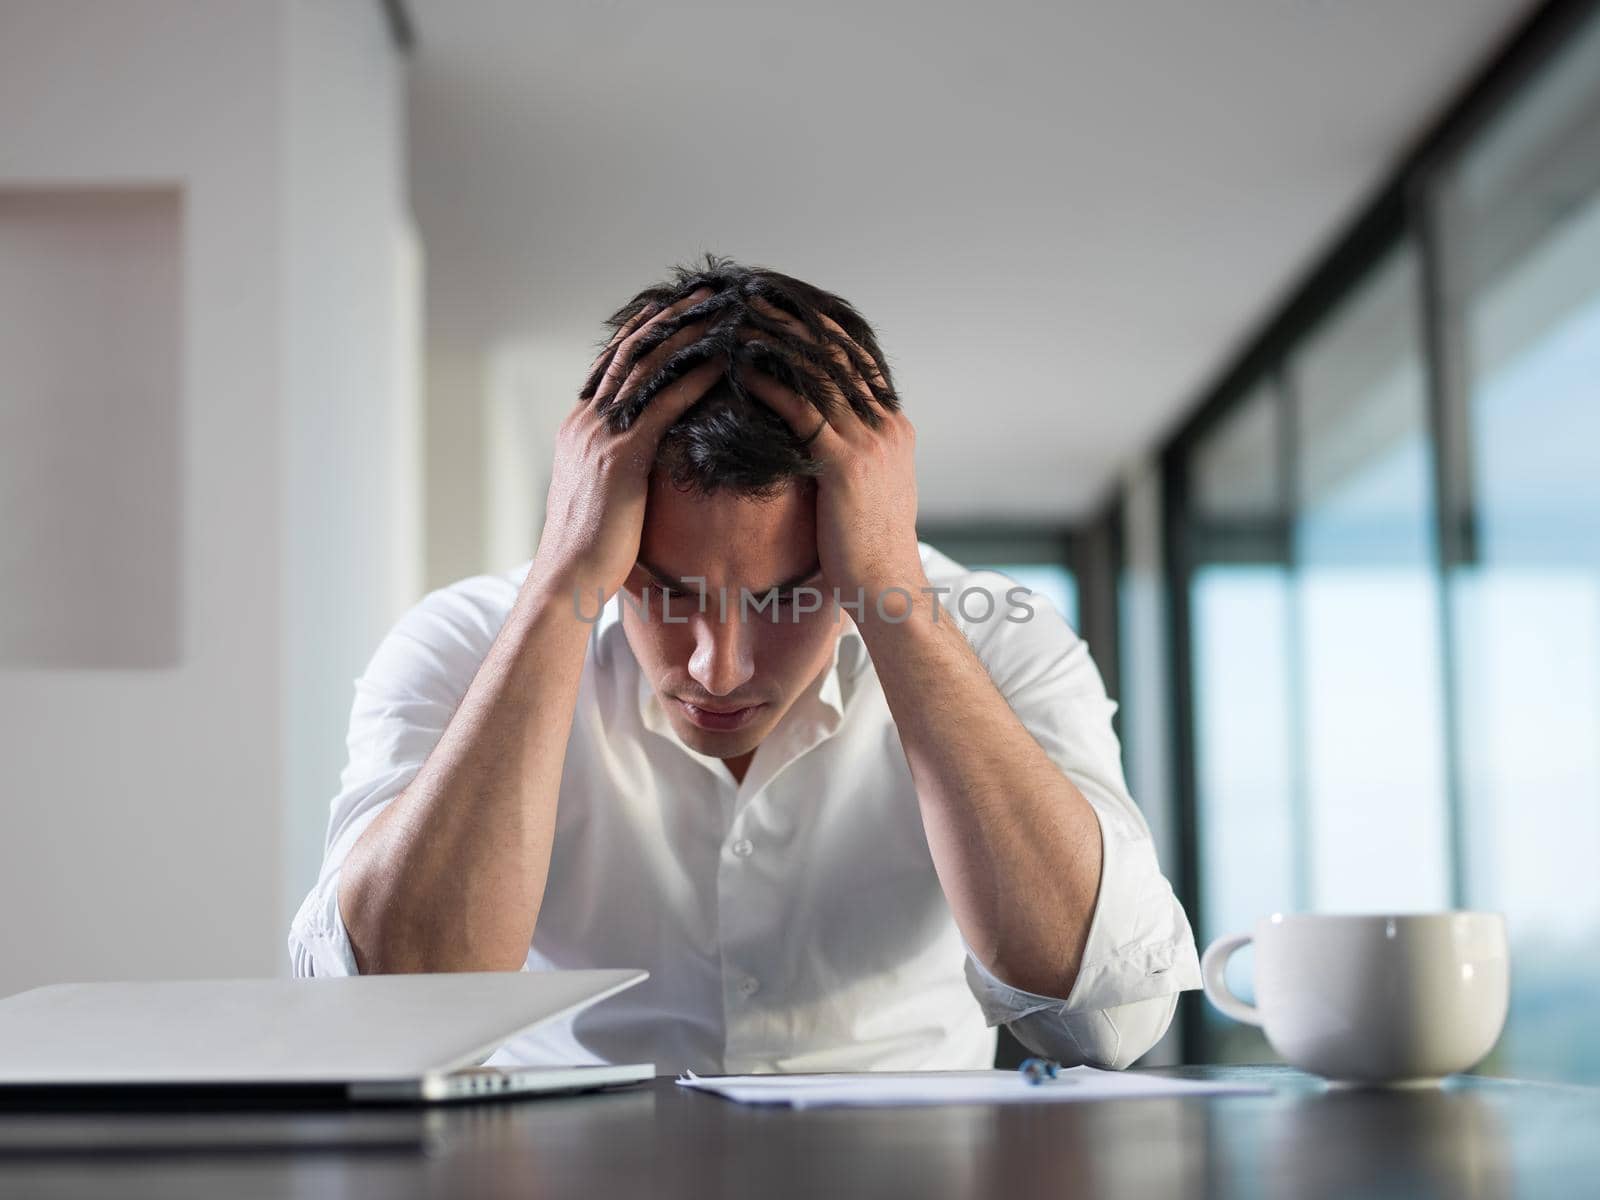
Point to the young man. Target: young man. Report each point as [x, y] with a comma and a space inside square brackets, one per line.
[840, 836]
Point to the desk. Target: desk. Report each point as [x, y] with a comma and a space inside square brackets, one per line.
[1478, 1137]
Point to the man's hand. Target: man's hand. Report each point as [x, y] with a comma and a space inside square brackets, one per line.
[867, 492]
[594, 517]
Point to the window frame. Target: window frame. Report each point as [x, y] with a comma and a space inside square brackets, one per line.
[1404, 208]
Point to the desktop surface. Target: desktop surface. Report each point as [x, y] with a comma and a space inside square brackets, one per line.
[1479, 1137]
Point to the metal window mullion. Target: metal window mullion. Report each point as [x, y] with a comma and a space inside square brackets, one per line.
[1448, 377]
[1178, 571]
[1287, 399]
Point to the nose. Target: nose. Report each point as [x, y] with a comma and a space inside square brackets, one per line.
[724, 653]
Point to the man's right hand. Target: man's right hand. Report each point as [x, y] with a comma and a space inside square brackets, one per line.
[594, 516]
[450, 875]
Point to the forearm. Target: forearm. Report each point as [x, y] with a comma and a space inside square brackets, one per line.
[449, 877]
[1016, 846]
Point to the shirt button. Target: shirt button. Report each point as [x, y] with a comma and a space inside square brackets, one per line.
[744, 848]
[749, 985]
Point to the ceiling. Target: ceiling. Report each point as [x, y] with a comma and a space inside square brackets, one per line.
[1062, 219]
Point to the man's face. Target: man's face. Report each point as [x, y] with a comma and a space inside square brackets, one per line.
[712, 661]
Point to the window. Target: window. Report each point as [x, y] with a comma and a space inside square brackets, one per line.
[1387, 567]
[1036, 560]
[1314, 609]
[1519, 217]
[1369, 693]
[1240, 612]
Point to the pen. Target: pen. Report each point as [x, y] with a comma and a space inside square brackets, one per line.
[1037, 1070]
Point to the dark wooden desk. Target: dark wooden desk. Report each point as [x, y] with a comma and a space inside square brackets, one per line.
[1476, 1137]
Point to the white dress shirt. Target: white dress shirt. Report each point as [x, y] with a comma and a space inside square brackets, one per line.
[792, 921]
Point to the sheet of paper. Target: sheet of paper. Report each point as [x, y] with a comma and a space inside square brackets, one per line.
[882, 1088]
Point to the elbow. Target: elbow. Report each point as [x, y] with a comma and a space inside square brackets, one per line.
[1111, 1039]
[355, 914]
[1141, 1025]
[1138, 1027]
[395, 937]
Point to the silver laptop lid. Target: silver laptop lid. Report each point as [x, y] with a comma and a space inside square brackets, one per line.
[338, 1030]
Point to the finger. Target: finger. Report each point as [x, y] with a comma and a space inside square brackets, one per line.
[647, 366]
[835, 409]
[626, 349]
[856, 362]
[857, 354]
[672, 401]
[848, 358]
[602, 361]
[622, 361]
[797, 412]
[770, 310]
[646, 311]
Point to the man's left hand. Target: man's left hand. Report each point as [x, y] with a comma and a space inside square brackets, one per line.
[867, 491]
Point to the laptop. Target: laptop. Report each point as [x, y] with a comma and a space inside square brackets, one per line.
[362, 1039]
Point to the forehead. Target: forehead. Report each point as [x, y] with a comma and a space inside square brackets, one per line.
[729, 538]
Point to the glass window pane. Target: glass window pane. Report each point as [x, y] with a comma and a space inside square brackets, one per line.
[1244, 772]
[1145, 684]
[1037, 561]
[1240, 618]
[1521, 221]
[1367, 606]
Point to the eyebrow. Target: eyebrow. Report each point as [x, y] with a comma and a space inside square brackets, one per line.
[669, 581]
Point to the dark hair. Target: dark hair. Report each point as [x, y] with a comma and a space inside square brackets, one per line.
[730, 438]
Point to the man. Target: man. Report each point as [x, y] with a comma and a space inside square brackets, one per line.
[839, 835]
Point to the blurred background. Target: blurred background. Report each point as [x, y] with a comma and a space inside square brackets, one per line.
[1262, 335]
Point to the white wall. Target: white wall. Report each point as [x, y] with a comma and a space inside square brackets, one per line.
[148, 813]
[348, 421]
[457, 437]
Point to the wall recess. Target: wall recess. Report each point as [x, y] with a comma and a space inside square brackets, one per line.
[91, 427]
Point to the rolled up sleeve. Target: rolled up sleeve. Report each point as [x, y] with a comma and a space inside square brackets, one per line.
[318, 941]
[403, 702]
[1140, 951]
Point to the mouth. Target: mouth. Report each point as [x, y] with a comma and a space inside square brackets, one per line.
[718, 719]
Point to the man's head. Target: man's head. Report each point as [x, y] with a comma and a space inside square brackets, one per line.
[732, 505]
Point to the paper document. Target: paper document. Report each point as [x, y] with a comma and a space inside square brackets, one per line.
[871, 1088]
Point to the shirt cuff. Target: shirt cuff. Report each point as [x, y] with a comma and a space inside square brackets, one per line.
[319, 943]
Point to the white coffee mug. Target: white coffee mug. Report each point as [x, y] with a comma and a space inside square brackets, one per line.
[1384, 999]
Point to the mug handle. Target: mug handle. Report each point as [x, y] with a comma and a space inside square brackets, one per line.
[1212, 966]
